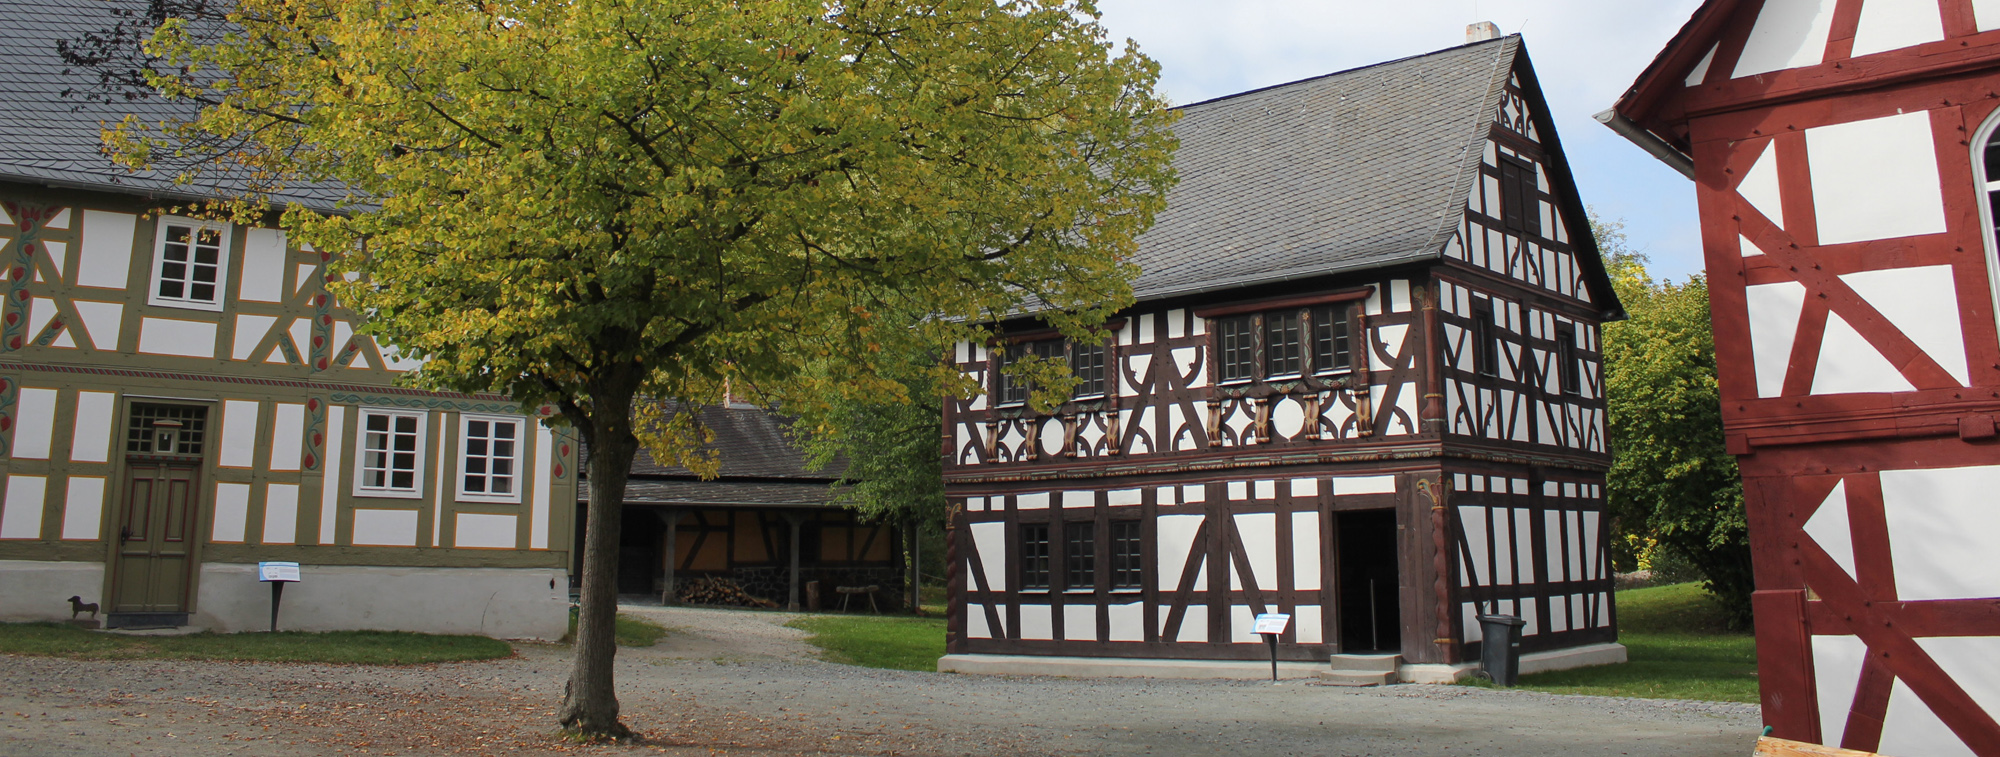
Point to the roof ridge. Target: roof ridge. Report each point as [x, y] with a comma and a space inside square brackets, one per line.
[1345, 71]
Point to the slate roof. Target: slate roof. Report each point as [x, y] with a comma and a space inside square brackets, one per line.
[760, 466]
[724, 492]
[1358, 169]
[49, 138]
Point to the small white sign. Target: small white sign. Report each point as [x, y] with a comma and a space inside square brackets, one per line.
[277, 571]
[1272, 623]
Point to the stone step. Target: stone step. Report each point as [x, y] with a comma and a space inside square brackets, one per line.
[1356, 677]
[1367, 662]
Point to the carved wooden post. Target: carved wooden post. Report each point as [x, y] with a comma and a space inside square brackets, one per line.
[1069, 435]
[954, 581]
[1312, 403]
[1438, 493]
[1432, 411]
[1363, 389]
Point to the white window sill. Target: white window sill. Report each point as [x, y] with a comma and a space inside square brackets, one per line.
[206, 307]
[475, 499]
[388, 493]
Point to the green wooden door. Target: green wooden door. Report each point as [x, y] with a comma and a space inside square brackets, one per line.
[156, 537]
[162, 504]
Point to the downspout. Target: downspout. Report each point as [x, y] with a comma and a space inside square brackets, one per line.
[1647, 141]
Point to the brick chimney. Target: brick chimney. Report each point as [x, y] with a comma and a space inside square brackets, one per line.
[1480, 32]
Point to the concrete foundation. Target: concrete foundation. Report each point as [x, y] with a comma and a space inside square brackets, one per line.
[507, 603]
[1119, 667]
[32, 590]
[1116, 667]
[1535, 662]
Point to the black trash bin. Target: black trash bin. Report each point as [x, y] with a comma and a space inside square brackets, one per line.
[1500, 654]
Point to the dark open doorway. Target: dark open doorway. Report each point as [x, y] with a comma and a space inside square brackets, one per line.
[1370, 615]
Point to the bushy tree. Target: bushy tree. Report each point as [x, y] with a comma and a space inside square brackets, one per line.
[1671, 485]
[617, 205]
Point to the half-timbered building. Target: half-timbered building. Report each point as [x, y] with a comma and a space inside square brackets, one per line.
[181, 399]
[1845, 155]
[1360, 386]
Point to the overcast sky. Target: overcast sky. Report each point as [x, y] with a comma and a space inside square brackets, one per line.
[1586, 52]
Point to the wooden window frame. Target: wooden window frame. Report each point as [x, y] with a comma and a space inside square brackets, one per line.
[1569, 365]
[361, 467]
[1035, 342]
[1236, 348]
[1520, 208]
[1032, 564]
[1128, 568]
[187, 301]
[1079, 557]
[1255, 314]
[1290, 357]
[1485, 336]
[1343, 337]
[515, 459]
[1095, 380]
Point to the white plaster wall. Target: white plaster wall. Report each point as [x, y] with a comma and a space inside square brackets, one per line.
[1788, 34]
[32, 590]
[1895, 24]
[1875, 179]
[107, 249]
[507, 603]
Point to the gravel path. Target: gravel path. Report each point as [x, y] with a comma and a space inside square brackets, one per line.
[738, 683]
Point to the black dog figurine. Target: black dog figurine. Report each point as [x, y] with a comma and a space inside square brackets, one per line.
[77, 605]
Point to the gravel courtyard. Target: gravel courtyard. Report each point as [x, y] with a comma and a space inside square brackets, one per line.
[738, 683]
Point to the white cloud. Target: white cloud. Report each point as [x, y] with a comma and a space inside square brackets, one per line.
[1585, 53]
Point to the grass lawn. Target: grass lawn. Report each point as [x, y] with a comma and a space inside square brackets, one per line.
[1678, 647]
[340, 647]
[631, 631]
[897, 643]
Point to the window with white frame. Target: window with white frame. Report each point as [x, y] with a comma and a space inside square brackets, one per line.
[391, 454]
[190, 258]
[489, 458]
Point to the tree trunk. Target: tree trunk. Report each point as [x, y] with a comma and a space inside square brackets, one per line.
[590, 700]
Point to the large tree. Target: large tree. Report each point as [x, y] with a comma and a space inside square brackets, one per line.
[1672, 486]
[614, 206]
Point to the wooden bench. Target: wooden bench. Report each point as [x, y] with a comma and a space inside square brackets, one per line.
[1770, 747]
[847, 592]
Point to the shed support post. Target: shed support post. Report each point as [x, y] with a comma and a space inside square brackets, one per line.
[794, 520]
[673, 519]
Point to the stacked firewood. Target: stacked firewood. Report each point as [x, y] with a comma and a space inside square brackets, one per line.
[717, 591]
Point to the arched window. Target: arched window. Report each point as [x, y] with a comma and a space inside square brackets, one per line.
[1986, 166]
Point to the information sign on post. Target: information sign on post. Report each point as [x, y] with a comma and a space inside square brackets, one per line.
[277, 574]
[1272, 625]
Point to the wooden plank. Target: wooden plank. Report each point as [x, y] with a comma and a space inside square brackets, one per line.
[1784, 663]
[1770, 747]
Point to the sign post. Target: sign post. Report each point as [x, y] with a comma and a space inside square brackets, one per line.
[277, 574]
[1271, 625]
